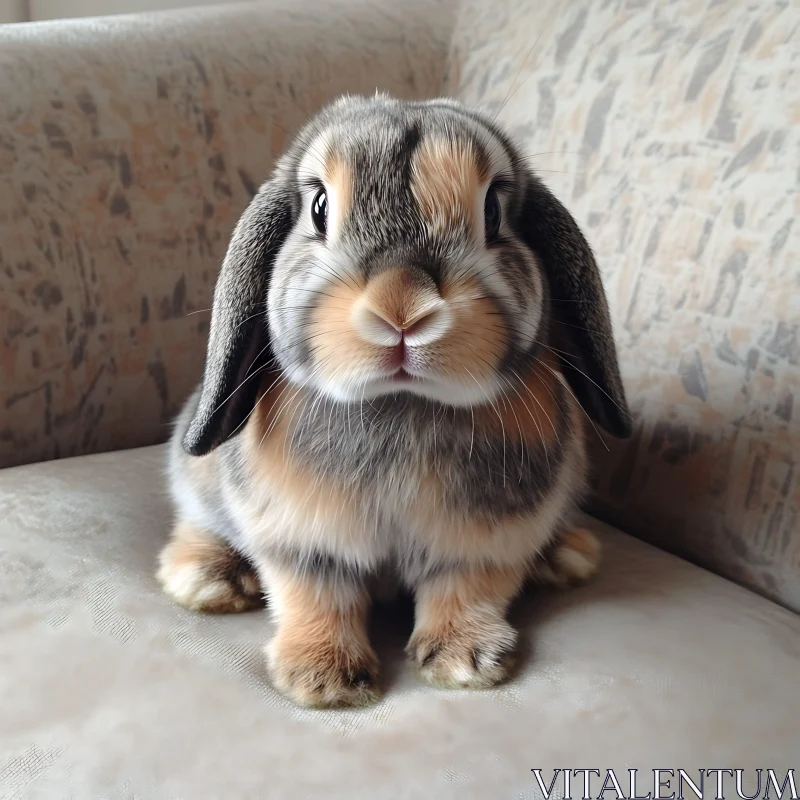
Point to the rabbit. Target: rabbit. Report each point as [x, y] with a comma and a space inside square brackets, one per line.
[408, 337]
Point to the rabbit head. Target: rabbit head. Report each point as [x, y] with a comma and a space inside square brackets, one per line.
[404, 247]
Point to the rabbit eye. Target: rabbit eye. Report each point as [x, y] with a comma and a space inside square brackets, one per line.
[319, 212]
[491, 215]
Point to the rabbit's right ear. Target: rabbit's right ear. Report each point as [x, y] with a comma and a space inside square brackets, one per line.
[238, 344]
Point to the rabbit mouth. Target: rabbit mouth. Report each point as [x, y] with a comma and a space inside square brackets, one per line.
[402, 378]
[407, 380]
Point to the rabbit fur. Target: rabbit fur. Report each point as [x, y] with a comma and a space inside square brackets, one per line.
[409, 344]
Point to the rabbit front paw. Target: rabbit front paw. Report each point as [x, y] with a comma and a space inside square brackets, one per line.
[472, 657]
[321, 673]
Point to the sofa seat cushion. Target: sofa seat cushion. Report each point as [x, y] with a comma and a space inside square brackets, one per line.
[107, 689]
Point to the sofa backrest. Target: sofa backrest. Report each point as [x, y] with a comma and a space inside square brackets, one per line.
[129, 146]
[672, 132]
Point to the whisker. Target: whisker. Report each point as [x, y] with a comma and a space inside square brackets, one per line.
[580, 371]
[499, 416]
[566, 385]
[511, 91]
[257, 403]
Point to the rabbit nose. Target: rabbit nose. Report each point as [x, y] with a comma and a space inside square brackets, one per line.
[401, 306]
[426, 327]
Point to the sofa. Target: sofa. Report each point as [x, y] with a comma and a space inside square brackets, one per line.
[128, 148]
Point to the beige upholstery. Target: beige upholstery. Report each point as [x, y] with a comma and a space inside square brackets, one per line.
[131, 145]
[671, 130]
[128, 148]
[106, 685]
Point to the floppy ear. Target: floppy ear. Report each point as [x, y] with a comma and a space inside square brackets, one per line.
[580, 324]
[238, 343]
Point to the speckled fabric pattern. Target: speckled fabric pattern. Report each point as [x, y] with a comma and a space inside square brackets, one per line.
[128, 149]
[109, 690]
[672, 132]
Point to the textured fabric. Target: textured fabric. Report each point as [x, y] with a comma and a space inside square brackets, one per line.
[130, 146]
[109, 690]
[128, 149]
[672, 132]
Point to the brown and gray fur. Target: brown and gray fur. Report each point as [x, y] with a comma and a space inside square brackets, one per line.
[304, 466]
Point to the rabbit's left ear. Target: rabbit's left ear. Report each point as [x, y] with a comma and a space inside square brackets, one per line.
[580, 326]
[238, 344]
